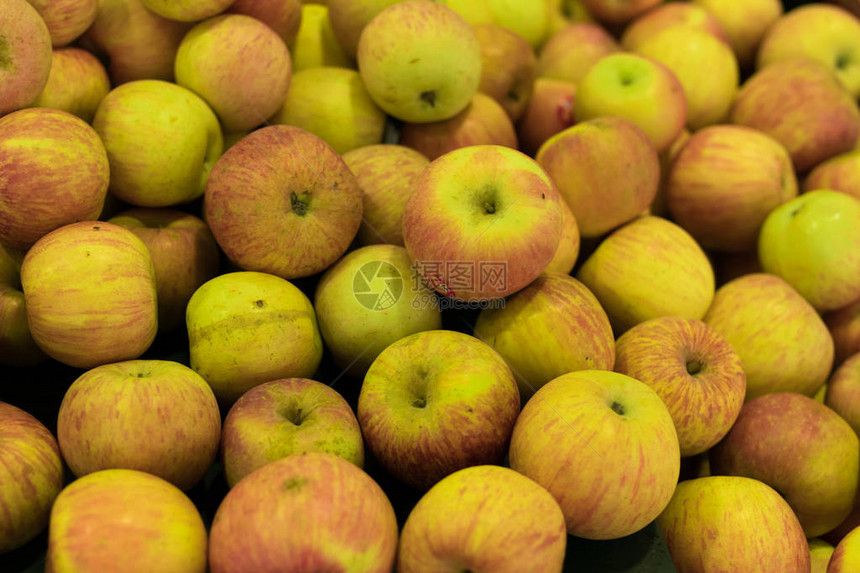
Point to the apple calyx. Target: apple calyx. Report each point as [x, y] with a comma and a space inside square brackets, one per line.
[419, 402]
[617, 407]
[694, 366]
[428, 97]
[293, 414]
[299, 204]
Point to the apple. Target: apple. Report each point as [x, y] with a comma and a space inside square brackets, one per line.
[567, 252]
[846, 555]
[669, 15]
[723, 184]
[844, 326]
[184, 255]
[77, 84]
[551, 327]
[667, 157]
[25, 62]
[482, 222]
[529, 20]
[386, 174]
[285, 417]
[745, 23]
[563, 13]
[820, 31]
[727, 523]
[282, 201]
[475, 12]
[61, 156]
[246, 328]
[801, 104]
[368, 300]
[638, 89]
[508, 68]
[305, 512]
[67, 20]
[436, 402]
[840, 173]
[187, 11]
[605, 447]
[128, 517]
[649, 268]
[550, 110]
[483, 518]
[570, 52]
[31, 472]
[813, 242]
[349, 17]
[694, 370]
[17, 347]
[242, 91]
[315, 44]
[802, 449]
[615, 12]
[333, 104]
[819, 555]
[483, 122]
[282, 16]
[843, 391]
[420, 61]
[183, 142]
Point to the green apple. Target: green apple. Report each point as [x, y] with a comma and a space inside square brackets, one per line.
[846, 556]
[282, 16]
[25, 58]
[843, 391]
[315, 44]
[349, 17]
[508, 68]
[844, 326]
[193, 11]
[17, 347]
[840, 173]
[745, 23]
[669, 15]
[67, 20]
[77, 84]
[530, 20]
[550, 111]
[570, 52]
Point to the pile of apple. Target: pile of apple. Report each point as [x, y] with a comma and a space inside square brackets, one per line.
[653, 209]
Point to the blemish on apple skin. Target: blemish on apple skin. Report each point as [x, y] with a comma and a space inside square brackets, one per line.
[259, 303]
[294, 484]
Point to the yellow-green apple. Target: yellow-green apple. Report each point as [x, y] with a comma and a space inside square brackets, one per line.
[605, 447]
[706, 67]
[307, 512]
[31, 472]
[89, 289]
[184, 255]
[368, 300]
[567, 252]
[436, 402]
[728, 523]
[162, 141]
[649, 268]
[155, 416]
[17, 347]
[282, 16]
[332, 103]
[550, 110]
[187, 11]
[846, 555]
[67, 20]
[744, 23]
[483, 518]
[508, 68]
[666, 16]
[483, 122]
[840, 173]
[285, 417]
[139, 44]
[801, 104]
[801, 448]
[349, 17]
[843, 391]
[695, 371]
[59, 155]
[570, 53]
[386, 174]
[125, 520]
[529, 20]
[315, 43]
[77, 84]
[606, 169]
[844, 326]
[244, 92]
[25, 59]
[618, 12]
[820, 31]
[723, 184]
[246, 328]
[638, 89]
[482, 222]
[406, 72]
[282, 201]
[474, 12]
[667, 157]
[813, 242]
[819, 555]
[563, 13]
[551, 327]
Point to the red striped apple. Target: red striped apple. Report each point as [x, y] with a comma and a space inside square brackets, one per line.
[618, 13]
[570, 52]
[550, 110]
[67, 20]
[187, 11]
[508, 68]
[77, 84]
[567, 252]
[668, 15]
[843, 391]
[282, 16]
[840, 173]
[844, 326]
[25, 63]
[349, 17]
[17, 347]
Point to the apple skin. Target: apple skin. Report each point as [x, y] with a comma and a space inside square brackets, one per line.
[695, 371]
[483, 518]
[99, 521]
[349, 17]
[356, 322]
[282, 16]
[799, 447]
[840, 173]
[77, 84]
[347, 522]
[745, 23]
[315, 44]
[483, 122]
[844, 326]
[184, 255]
[242, 91]
[66, 20]
[668, 15]
[570, 52]
[282, 201]
[406, 72]
[61, 156]
[17, 347]
[846, 555]
[843, 391]
[801, 104]
[386, 174]
[567, 253]
[709, 518]
[723, 184]
[819, 555]
[649, 268]
[617, 434]
[450, 222]
[187, 11]
[333, 104]
[26, 61]
[551, 327]
[508, 68]
[89, 289]
[813, 242]
[529, 20]
[31, 471]
[667, 157]
[563, 13]
[550, 111]
[285, 417]
[436, 402]
[618, 13]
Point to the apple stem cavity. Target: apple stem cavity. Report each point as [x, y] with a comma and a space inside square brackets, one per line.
[842, 60]
[617, 407]
[299, 205]
[694, 367]
[428, 97]
[419, 402]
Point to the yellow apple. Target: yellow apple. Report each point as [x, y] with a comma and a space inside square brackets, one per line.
[315, 44]
[744, 22]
